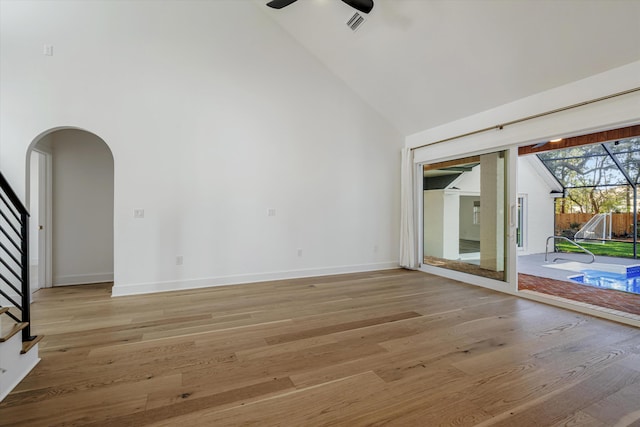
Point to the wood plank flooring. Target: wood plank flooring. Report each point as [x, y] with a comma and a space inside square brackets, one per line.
[381, 348]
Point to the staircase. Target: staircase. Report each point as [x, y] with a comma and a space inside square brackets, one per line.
[18, 348]
[17, 358]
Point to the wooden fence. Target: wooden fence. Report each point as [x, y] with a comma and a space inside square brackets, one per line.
[621, 223]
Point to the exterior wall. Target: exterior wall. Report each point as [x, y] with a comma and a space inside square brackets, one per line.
[538, 209]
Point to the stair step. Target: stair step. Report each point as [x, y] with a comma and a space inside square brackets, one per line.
[4, 309]
[28, 345]
[17, 328]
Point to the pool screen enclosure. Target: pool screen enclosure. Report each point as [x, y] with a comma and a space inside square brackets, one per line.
[605, 165]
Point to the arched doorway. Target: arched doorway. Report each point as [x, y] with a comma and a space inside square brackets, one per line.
[70, 176]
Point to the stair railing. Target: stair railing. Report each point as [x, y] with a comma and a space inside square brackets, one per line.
[14, 256]
[546, 249]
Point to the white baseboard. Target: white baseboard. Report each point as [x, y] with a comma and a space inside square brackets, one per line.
[82, 279]
[147, 288]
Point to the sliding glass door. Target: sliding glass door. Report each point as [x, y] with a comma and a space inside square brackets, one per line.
[465, 215]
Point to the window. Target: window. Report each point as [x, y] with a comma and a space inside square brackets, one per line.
[476, 213]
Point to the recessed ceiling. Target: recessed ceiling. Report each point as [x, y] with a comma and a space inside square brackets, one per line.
[422, 63]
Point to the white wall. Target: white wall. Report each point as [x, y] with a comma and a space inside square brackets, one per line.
[539, 209]
[82, 209]
[214, 116]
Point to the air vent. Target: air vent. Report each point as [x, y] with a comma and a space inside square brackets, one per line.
[355, 21]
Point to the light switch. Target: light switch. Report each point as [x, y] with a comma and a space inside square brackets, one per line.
[138, 213]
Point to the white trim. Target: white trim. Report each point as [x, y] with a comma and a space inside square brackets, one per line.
[511, 204]
[418, 199]
[472, 279]
[82, 279]
[47, 221]
[580, 307]
[603, 115]
[548, 178]
[48, 225]
[611, 114]
[175, 285]
[524, 230]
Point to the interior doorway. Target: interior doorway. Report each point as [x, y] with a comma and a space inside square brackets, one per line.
[40, 220]
[70, 180]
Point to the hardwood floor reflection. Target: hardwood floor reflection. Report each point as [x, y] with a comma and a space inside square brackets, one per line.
[464, 267]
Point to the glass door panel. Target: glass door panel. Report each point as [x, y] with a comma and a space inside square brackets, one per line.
[465, 216]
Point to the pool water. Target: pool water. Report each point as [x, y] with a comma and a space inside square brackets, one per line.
[629, 282]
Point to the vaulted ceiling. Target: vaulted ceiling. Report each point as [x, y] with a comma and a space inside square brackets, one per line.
[422, 63]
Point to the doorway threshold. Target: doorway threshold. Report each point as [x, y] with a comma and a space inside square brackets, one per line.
[582, 307]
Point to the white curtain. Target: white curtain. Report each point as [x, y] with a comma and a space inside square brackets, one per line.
[408, 237]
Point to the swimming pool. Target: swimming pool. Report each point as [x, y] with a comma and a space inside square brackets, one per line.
[626, 282]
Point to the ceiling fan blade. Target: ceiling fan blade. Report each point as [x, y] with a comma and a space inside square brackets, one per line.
[363, 6]
[279, 4]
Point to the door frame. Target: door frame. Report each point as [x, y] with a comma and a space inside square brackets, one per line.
[522, 215]
[45, 217]
[511, 284]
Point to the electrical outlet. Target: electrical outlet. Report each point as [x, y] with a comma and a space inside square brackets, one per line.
[299, 252]
[138, 213]
[47, 50]
[179, 260]
[271, 212]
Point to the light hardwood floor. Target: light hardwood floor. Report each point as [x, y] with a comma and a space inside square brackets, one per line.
[383, 348]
